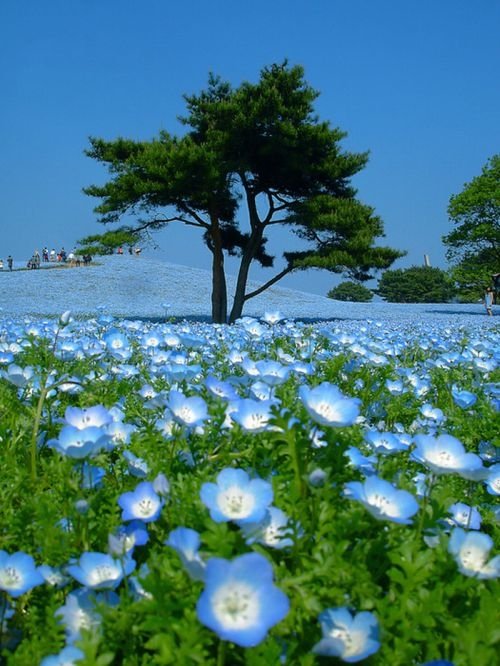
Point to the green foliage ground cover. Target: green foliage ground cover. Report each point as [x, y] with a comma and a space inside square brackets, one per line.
[339, 554]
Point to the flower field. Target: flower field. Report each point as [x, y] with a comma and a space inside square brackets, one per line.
[274, 492]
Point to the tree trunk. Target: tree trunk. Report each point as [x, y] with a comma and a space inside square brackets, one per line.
[219, 288]
[241, 284]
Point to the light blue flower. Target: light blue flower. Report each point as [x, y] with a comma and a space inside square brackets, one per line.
[365, 464]
[79, 612]
[462, 398]
[471, 551]
[384, 442]
[136, 466]
[273, 531]
[143, 503]
[92, 476]
[328, 406]
[383, 500]
[252, 415]
[126, 537]
[465, 516]
[190, 412]
[99, 571]
[79, 443]
[492, 481]
[18, 573]
[96, 416]
[446, 455]
[348, 637]
[240, 602]
[237, 497]
[220, 389]
[186, 542]
[69, 656]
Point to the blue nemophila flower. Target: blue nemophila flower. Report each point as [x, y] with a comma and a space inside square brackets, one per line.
[69, 656]
[492, 481]
[136, 466]
[252, 415]
[348, 637]
[446, 455]
[100, 571]
[365, 464]
[18, 573]
[272, 531]
[383, 500]
[237, 497]
[240, 602]
[186, 542]
[384, 442]
[79, 443]
[79, 612]
[96, 416]
[126, 537]
[462, 398]
[471, 551]
[328, 406]
[143, 503]
[190, 412]
[220, 389]
[465, 516]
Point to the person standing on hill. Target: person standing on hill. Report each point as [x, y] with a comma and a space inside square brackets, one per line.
[9, 262]
[488, 300]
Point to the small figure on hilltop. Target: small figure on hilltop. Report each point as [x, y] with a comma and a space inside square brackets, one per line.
[1, 264]
[137, 251]
[488, 300]
[63, 255]
[119, 250]
[45, 254]
[53, 255]
[10, 261]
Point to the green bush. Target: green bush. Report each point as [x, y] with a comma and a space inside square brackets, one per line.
[418, 284]
[351, 291]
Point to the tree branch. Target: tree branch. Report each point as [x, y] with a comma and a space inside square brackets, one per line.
[269, 283]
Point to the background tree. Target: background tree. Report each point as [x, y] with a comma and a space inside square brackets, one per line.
[418, 284]
[257, 155]
[108, 242]
[474, 243]
[351, 291]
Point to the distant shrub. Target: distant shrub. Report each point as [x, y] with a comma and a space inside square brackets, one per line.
[418, 284]
[351, 291]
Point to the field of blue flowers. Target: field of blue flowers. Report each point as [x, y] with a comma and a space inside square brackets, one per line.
[274, 492]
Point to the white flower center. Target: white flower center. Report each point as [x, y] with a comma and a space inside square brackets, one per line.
[327, 411]
[472, 558]
[255, 420]
[353, 641]
[146, 507]
[10, 577]
[442, 459]
[103, 573]
[236, 605]
[235, 503]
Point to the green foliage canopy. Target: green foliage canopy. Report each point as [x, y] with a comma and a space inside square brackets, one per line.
[418, 284]
[473, 246]
[257, 155]
[353, 292]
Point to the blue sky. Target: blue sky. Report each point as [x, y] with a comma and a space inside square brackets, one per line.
[414, 82]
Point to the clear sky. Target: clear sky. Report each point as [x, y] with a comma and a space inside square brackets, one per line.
[415, 82]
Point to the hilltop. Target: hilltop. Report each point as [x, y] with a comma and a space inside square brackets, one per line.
[140, 287]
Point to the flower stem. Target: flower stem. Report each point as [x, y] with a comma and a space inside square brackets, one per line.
[36, 428]
[221, 653]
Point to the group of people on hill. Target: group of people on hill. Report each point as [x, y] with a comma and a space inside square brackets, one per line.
[62, 256]
[10, 263]
[131, 250]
